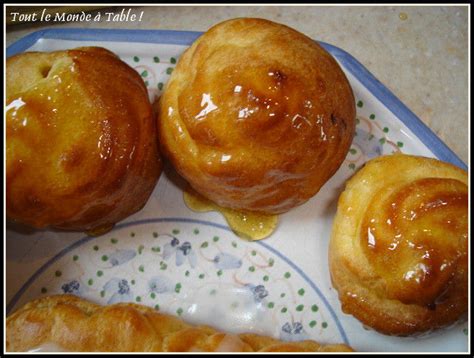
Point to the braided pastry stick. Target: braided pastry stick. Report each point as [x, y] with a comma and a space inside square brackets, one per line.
[74, 324]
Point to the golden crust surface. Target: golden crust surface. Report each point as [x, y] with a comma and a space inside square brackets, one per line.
[256, 116]
[75, 324]
[398, 251]
[81, 149]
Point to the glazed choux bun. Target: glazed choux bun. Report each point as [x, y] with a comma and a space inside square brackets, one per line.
[81, 150]
[256, 116]
[398, 253]
[70, 323]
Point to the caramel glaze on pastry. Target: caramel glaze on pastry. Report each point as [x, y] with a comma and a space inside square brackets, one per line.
[81, 143]
[256, 116]
[67, 322]
[398, 250]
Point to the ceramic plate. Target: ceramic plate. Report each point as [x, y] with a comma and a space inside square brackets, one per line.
[191, 264]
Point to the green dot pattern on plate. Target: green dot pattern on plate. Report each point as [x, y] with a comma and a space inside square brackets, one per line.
[204, 244]
[324, 324]
[314, 308]
[163, 266]
[201, 276]
[266, 278]
[155, 235]
[215, 238]
[186, 273]
[141, 268]
[172, 60]
[385, 129]
[147, 83]
[113, 241]
[144, 73]
[382, 140]
[156, 249]
[299, 308]
[58, 273]
[196, 231]
[253, 253]
[156, 59]
[287, 275]
[96, 248]
[44, 290]
[352, 166]
[75, 257]
[132, 282]
[175, 231]
[177, 288]
[284, 309]
[312, 324]
[213, 292]
[357, 120]
[132, 234]
[360, 104]
[136, 58]
[465, 331]
[140, 249]
[301, 291]
[179, 311]
[169, 70]
[371, 136]
[99, 273]
[283, 294]
[102, 293]
[271, 262]
[234, 244]
[352, 151]
[271, 304]
[399, 144]
[372, 116]
[104, 257]
[90, 282]
[157, 307]
[219, 273]
[153, 295]
[252, 268]
[160, 86]
[138, 299]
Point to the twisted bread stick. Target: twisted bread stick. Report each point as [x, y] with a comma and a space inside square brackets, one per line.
[74, 324]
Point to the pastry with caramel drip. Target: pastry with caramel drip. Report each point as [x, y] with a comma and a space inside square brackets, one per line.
[256, 116]
[399, 246]
[69, 323]
[81, 151]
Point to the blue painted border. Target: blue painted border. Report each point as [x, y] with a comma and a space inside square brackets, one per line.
[86, 239]
[387, 98]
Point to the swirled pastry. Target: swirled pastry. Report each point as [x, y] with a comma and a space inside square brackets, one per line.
[69, 323]
[81, 143]
[256, 116]
[398, 250]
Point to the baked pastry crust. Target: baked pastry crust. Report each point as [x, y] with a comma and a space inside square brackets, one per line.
[256, 116]
[81, 139]
[78, 325]
[398, 252]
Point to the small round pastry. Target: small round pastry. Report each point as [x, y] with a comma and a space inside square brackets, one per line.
[81, 149]
[398, 253]
[256, 116]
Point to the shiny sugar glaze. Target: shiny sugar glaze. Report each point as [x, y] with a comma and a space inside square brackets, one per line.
[247, 225]
[415, 237]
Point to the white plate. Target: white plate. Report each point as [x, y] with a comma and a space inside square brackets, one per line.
[190, 264]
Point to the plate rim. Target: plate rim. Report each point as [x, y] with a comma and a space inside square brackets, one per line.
[180, 37]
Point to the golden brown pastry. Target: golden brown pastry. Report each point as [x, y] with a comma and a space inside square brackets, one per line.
[67, 322]
[398, 249]
[81, 143]
[256, 116]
